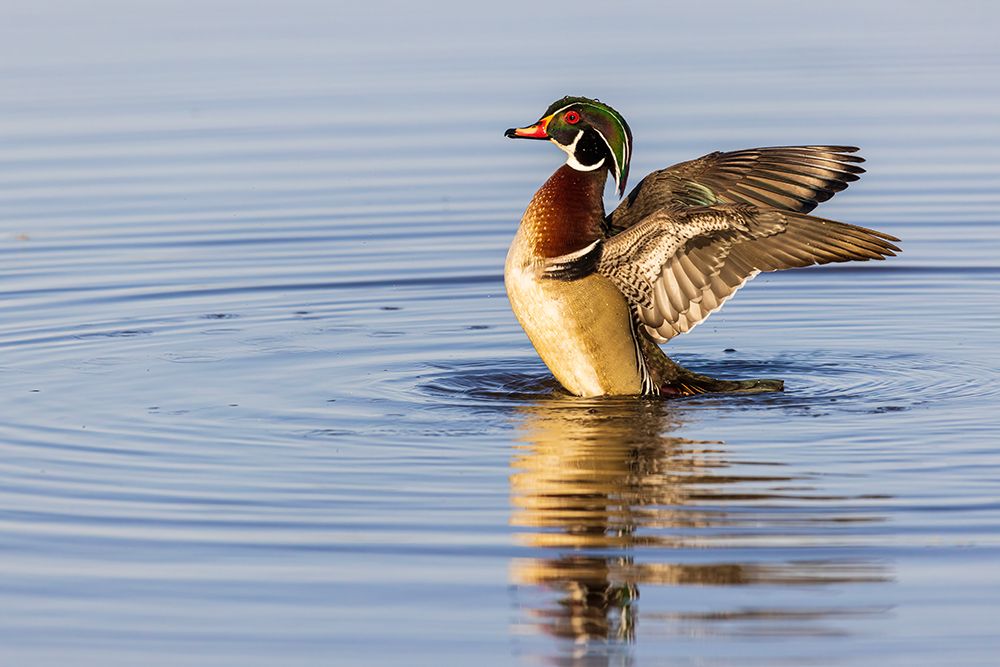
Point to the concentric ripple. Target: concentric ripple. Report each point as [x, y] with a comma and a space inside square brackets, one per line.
[264, 401]
[827, 380]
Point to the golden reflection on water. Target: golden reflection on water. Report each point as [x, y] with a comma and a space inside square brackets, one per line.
[607, 488]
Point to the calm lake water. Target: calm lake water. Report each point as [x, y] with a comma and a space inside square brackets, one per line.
[263, 401]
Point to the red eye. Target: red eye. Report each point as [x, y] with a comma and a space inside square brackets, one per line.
[572, 117]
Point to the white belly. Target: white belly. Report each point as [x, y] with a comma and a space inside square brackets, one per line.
[580, 328]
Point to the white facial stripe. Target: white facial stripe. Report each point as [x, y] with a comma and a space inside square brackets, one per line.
[571, 155]
[573, 162]
[628, 145]
[618, 175]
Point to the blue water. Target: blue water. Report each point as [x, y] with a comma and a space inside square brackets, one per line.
[263, 400]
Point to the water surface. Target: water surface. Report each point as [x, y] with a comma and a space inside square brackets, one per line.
[264, 402]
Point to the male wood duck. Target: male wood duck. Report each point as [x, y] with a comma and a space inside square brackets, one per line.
[597, 293]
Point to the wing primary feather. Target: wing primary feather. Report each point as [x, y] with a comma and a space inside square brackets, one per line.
[752, 196]
[792, 178]
[695, 233]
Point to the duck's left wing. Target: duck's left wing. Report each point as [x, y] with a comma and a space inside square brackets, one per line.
[788, 178]
[679, 265]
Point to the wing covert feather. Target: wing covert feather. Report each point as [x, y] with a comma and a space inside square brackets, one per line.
[788, 178]
[679, 265]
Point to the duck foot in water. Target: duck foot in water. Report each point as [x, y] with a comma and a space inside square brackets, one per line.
[675, 381]
[709, 385]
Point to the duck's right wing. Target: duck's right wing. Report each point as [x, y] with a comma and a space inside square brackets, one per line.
[679, 265]
[788, 178]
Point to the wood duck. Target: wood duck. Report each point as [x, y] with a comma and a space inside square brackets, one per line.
[598, 293]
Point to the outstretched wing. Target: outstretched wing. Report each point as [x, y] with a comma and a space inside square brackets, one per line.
[679, 265]
[788, 178]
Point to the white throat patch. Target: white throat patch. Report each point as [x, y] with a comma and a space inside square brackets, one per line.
[571, 155]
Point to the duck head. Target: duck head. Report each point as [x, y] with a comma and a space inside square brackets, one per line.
[592, 134]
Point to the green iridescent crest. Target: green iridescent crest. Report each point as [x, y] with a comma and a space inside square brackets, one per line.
[609, 124]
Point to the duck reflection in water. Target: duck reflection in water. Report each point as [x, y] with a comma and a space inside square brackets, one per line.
[605, 486]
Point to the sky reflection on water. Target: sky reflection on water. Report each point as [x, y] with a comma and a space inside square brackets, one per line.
[263, 399]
